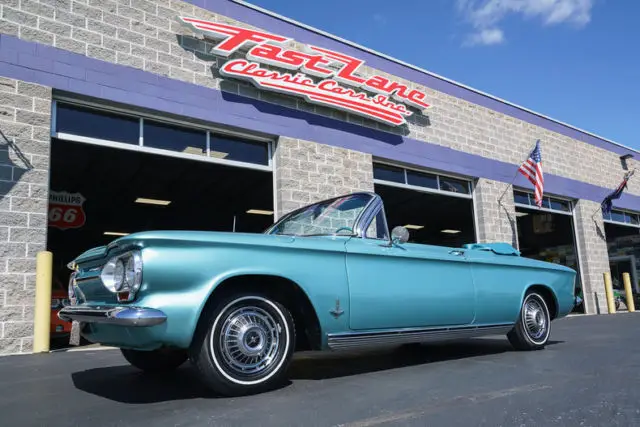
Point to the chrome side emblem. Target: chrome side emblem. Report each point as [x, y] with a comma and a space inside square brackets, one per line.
[337, 311]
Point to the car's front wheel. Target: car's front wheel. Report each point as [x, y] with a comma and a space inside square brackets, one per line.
[161, 360]
[245, 345]
[531, 332]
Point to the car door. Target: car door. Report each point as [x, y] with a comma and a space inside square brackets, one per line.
[407, 285]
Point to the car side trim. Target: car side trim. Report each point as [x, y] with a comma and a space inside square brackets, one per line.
[123, 316]
[348, 341]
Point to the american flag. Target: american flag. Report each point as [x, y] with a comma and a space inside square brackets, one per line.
[532, 170]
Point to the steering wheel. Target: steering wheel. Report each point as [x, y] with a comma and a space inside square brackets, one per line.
[349, 229]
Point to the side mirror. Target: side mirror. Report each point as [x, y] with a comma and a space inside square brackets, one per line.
[399, 234]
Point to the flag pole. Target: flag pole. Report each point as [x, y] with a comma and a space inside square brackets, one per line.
[517, 172]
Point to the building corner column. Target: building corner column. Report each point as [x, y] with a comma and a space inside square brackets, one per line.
[25, 140]
[495, 217]
[594, 256]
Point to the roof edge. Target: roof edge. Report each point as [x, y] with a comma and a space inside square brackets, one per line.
[422, 70]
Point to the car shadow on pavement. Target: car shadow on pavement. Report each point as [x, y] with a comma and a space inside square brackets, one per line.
[126, 384]
[336, 365]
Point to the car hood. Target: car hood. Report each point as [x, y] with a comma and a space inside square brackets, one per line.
[176, 237]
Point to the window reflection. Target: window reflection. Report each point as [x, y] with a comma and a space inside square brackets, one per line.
[97, 124]
[237, 149]
[422, 179]
[388, 173]
[454, 185]
[521, 198]
[174, 138]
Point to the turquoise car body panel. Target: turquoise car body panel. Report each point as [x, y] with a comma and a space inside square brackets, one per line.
[380, 285]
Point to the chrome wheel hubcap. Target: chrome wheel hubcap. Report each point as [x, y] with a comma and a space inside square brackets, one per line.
[249, 340]
[535, 319]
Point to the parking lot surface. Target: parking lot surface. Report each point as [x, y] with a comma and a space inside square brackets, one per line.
[588, 376]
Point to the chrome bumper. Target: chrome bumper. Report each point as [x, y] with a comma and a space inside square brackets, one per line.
[124, 316]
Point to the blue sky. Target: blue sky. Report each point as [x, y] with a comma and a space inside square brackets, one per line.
[577, 61]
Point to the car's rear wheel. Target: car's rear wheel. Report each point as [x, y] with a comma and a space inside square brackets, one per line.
[531, 331]
[161, 360]
[244, 345]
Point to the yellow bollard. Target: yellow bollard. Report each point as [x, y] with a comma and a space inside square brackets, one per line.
[608, 289]
[42, 318]
[631, 306]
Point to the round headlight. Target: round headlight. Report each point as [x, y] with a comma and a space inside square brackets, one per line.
[130, 271]
[119, 275]
[123, 273]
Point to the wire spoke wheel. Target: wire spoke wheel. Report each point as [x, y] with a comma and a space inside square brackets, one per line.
[249, 341]
[535, 319]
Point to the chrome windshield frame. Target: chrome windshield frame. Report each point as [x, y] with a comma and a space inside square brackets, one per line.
[361, 222]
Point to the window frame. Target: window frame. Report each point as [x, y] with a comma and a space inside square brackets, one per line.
[531, 205]
[437, 175]
[140, 147]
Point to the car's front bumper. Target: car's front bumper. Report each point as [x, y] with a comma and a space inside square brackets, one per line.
[124, 316]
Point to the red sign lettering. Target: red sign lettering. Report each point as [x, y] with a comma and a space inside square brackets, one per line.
[335, 68]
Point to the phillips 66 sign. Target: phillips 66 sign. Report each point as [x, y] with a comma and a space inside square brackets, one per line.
[337, 82]
[66, 210]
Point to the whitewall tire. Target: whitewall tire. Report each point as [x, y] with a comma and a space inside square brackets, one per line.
[532, 330]
[245, 345]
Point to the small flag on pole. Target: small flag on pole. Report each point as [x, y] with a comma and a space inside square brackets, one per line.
[607, 203]
[532, 170]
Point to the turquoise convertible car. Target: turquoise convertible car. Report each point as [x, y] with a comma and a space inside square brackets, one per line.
[328, 276]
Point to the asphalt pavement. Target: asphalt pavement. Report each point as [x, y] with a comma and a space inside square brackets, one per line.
[587, 376]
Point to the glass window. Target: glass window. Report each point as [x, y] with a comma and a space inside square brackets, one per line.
[560, 205]
[617, 216]
[336, 216]
[546, 203]
[388, 173]
[422, 179]
[635, 220]
[239, 150]
[97, 124]
[521, 198]
[378, 228]
[454, 185]
[174, 138]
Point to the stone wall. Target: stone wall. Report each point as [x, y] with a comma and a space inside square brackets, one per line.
[496, 218]
[145, 35]
[24, 173]
[594, 258]
[308, 172]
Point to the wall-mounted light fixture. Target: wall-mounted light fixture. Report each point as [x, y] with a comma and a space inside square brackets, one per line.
[623, 160]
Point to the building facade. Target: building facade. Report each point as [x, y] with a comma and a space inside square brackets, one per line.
[334, 118]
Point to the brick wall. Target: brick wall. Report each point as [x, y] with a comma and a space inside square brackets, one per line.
[144, 34]
[308, 172]
[24, 173]
[594, 256]
[496, 219]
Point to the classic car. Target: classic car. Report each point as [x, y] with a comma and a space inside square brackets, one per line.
[59, 299]
[328, 276]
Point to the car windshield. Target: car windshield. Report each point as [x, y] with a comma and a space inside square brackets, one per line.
[323, 218]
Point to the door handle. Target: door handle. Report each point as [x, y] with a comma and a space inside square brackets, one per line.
[456, 252]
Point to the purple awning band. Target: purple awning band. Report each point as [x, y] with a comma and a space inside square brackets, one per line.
[63, 70]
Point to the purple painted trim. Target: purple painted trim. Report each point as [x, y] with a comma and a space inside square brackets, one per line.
[302, 35]
[68, 71]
